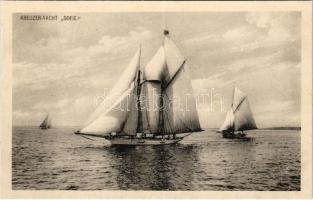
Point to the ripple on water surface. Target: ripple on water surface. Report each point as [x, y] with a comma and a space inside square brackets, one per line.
[58, 159]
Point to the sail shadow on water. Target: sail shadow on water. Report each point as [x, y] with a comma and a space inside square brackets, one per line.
[168, 167]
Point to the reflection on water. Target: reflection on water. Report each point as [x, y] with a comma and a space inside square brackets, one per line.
[154, 167]
[58, 159]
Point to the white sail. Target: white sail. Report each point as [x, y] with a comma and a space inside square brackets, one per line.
[165, 63]
[174, 58]
[130, 127]
[144, 105]
[113, 119]
[124, 82]
[243, 117]
[180, 112]
[238, 97]
[167, 74]
[239, 117]
[153, 74]
[46, 122]
[133, 119]
[154, 70]
[165, 79]
[229, 121]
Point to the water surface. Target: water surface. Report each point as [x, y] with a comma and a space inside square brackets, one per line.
[57, 159]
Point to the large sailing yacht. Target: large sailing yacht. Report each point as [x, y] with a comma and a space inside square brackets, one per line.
[160, 106]
[239, 117]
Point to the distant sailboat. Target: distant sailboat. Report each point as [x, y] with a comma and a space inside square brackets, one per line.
[46, 124]
[239, 117]
[153, 115]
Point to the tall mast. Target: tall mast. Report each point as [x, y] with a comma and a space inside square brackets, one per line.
[139, 121]
[231, 107]
[233, 97]
[167, 79]
[166, 33]
[161, 119]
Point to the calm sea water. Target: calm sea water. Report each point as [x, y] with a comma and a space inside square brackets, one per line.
[58, 159]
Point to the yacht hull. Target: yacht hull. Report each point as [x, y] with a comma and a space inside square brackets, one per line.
[138, 141]
[239, 136]
[44, 128]
[142, 141]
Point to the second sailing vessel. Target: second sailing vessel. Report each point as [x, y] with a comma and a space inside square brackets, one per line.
[46, 124]
[239, 117]
[160, 106]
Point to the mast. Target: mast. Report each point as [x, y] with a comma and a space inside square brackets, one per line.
[176, 89]
[166, 75]
[166, 33]
[232, 121]
[139, 128]
[161, 109]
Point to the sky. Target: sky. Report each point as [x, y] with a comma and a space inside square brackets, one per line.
[64, 68]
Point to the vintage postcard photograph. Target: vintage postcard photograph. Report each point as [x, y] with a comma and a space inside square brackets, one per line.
[157, 99]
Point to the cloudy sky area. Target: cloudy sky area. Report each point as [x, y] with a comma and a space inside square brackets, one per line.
[62, 68]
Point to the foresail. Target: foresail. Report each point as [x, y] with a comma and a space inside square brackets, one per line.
[132, 117]
[130, 126]
[179, 111]
[228, 124]
[243, 117]
[113, 120]
[124, 82]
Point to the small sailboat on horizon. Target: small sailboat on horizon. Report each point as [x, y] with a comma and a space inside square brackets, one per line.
[46, 124]
[239, 117]
[152, 115]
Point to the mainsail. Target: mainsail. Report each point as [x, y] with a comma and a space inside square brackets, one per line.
[239, 117]
[171, 105]
[46, 123]
[158, 99]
